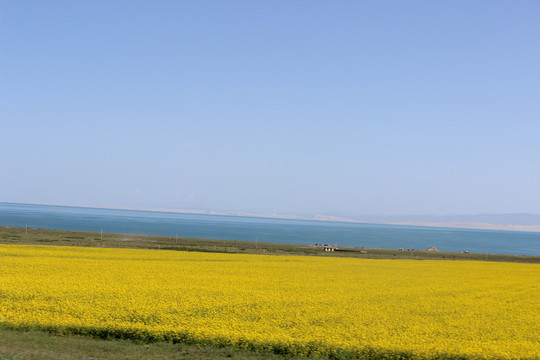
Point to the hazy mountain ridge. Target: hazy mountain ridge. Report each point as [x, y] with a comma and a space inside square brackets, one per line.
[523, 219]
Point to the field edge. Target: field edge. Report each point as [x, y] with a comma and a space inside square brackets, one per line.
[282, 350]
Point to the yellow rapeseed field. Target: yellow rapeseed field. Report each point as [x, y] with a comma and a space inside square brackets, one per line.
[299, 305]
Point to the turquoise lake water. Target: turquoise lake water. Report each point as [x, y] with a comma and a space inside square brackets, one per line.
[268, 230]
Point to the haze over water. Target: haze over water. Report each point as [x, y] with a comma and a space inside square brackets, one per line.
[268, 229]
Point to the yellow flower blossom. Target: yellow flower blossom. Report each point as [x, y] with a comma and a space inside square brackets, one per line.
[291, 304]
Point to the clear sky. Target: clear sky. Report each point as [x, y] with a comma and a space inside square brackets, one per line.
[292, 107]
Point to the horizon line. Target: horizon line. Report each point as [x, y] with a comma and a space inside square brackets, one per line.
[327, 218]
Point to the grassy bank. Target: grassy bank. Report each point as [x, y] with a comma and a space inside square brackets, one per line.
[22, 236]
[26, 345]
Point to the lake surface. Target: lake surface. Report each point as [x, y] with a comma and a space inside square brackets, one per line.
[267, 229]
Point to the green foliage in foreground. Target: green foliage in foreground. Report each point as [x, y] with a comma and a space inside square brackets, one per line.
[64, 344]
[26, 345]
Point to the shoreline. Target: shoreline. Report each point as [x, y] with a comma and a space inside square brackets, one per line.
[35, 236]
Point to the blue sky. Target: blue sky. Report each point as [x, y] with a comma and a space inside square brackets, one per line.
[291, 107]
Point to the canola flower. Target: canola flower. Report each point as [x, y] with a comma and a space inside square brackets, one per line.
[292, 304]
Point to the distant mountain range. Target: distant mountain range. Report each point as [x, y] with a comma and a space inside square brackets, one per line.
[496, 219]
[513, 222]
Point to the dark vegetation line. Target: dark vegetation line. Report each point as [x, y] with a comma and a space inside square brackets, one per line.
[22, 236]
[108, 341]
